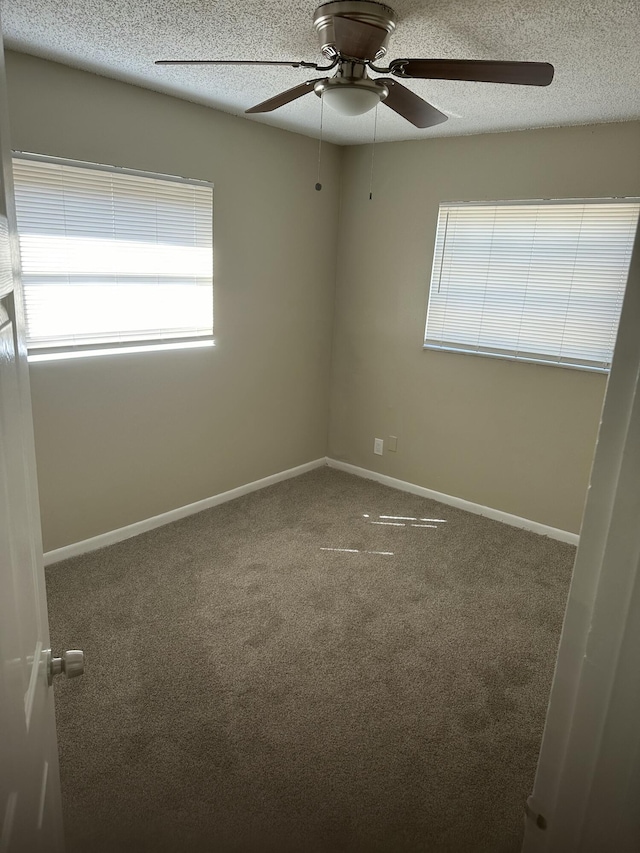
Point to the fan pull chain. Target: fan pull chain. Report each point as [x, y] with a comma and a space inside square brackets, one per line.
[318, 184]
[373, 149]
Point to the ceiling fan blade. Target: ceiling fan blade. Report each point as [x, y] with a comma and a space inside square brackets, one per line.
[475, 70]
[409, 105]
[284, 97]
[357, 38]
[291, 64]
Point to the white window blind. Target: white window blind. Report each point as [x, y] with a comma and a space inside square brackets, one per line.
[538, 281]
[112, 257]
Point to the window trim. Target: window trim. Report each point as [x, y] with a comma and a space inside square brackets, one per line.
[519, 359]
[142, 345]
[525, 358]
[124, 349]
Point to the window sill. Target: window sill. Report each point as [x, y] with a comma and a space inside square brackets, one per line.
[62, 355]
[519, 358]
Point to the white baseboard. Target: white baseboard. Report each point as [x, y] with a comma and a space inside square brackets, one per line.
[122, 533]
[460, 503]
[130, 530]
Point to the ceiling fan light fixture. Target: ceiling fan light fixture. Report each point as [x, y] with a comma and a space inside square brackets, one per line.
[351, 97]
[351, 100]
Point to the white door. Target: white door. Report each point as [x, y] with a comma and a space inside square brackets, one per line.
[30, 813]
[586, 797]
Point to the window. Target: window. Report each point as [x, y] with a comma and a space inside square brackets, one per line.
[535, 281]
[112, 259]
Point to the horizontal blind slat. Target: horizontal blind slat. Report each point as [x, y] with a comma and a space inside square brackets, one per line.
[110, 256]
[544, 280]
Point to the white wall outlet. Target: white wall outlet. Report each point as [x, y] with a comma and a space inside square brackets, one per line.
[392, 444]
[378, 446]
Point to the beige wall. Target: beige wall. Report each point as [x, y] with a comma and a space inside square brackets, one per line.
[122, 438]
[512, 436]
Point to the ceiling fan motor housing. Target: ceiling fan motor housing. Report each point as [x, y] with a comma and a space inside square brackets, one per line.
[376, 15]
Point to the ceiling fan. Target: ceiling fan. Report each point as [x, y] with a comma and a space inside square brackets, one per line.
[354, 35]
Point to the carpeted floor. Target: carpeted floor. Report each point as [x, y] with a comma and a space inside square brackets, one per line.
[253, 687]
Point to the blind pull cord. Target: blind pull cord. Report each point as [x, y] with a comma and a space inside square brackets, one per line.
[373, 149]
[318, 184]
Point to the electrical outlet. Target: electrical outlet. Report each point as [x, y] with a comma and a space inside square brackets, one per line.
[378, 446]
[392, 444]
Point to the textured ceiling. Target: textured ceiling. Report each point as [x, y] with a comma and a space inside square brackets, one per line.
[592, 43]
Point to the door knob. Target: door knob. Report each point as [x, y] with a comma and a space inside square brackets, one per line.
[71, 663]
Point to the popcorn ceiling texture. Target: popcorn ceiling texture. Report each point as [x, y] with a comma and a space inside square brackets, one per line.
[592, 45]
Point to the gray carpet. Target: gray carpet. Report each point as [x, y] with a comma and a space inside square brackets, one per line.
[248, 690]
